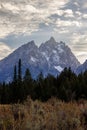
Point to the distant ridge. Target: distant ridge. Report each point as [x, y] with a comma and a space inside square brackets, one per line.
[82, 68]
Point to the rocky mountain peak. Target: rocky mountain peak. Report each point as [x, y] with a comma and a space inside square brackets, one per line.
[52, 40]
[30, 44]
[50, 58]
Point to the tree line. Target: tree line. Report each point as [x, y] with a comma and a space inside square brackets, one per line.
[67, 86]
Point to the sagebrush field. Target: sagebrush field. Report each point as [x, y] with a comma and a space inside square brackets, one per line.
[51, 115]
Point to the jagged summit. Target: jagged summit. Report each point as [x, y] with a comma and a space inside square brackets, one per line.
[30, 44]
[52, 40]
[50, 44]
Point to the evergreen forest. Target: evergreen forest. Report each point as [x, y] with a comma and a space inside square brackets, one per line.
[67, 86]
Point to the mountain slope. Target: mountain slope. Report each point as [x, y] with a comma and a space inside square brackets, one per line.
[51, 57]
[31, 58]
[82, 68]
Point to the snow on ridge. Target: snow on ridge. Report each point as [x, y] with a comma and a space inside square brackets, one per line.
[33, 59]
[60, 49]
[46, 56]
[59, 68]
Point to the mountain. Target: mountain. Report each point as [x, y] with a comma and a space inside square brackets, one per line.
[50, 58]
[31, 58]
[58, 56]
[82, 68]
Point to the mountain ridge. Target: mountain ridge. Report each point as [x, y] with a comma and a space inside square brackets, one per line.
[82, 68]
[50, 57]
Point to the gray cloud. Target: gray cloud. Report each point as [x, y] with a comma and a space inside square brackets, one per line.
[24, 16]
[4, 50]
[38, 19]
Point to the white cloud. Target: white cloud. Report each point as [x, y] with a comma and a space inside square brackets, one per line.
[4, 50]
[76, 3]
[78, 45]
[78, 38]
[85, 16]
[59, 12]
[68, 23]
[62, 30]
[68, 13]
[78, 13]
[82, 56]
[9, 6]
[24, 16]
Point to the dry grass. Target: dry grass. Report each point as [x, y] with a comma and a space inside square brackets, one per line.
[52, 115]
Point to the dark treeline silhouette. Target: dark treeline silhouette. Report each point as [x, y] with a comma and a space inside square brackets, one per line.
[67, 86]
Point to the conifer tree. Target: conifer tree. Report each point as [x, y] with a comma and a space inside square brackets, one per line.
[15, 74]
[19, 71]
[28, 83]
[27, 76]
[19, 89]
[40, 77]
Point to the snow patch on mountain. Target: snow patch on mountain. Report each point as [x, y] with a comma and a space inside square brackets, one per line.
[46, 56]
[33, 59]
[54, 51]
[60, 49]
[59, 68]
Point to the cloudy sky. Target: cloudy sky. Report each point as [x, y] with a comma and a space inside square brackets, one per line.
[24, 20]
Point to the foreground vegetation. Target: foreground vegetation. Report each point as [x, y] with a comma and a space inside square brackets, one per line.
[56, 103]
[50, 115]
